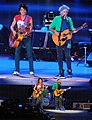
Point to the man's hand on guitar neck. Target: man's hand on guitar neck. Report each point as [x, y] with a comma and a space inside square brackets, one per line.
[60, 90]
[74, 31]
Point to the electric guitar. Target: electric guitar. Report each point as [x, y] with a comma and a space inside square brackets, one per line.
[15, 40]
[36, 93]
[61, 91]
[66, 35]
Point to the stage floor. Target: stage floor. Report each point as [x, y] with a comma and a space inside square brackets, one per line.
[69, 114]
[45, 69]
[25, 79]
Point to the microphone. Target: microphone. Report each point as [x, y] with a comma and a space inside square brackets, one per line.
[64, 16]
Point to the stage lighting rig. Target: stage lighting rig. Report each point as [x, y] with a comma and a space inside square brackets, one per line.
[47, 18]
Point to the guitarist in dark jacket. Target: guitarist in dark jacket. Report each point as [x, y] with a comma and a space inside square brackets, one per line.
[58, 25]
[24, 24]
[57, 88]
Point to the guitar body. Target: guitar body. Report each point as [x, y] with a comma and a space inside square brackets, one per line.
[36, 94]
[58, 92]
[15, 40]
[65, 35]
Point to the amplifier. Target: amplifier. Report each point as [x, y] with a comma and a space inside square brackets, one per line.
[84, 106]
[1, 102]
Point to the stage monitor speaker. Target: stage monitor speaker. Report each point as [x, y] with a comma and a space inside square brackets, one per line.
[82, 106]
[4, 42]
[38, 39]
[91, 108]
[89, 60]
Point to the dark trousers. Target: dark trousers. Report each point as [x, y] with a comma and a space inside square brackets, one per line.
[58, 102]
[28, 46]
[66, 50]
[39, 101]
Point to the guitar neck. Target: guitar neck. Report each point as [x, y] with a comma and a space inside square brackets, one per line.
[67, 89]
[79, 28]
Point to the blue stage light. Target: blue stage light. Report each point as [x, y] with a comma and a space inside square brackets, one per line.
[1, 26]
[20, 105]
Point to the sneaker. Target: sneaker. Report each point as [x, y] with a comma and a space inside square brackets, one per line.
[31, 73]
[57, 108]
[60, 76]
[69, 73]
[63, 109]
[69, 76]
[16, 73]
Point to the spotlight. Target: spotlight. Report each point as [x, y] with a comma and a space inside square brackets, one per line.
[20, 105]
[47, 18]
[1, 26]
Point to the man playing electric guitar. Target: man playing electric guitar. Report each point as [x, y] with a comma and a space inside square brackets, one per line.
[22, 37]
[58, 91]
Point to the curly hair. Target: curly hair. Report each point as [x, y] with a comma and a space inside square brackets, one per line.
[39, 79]
[24, 6]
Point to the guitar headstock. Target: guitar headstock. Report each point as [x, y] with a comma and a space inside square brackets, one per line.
[46, 86]
[69, 88]
[84, 25]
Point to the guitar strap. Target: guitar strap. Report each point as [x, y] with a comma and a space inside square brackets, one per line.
[62, 21]
[60, 31]
[26, 20]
